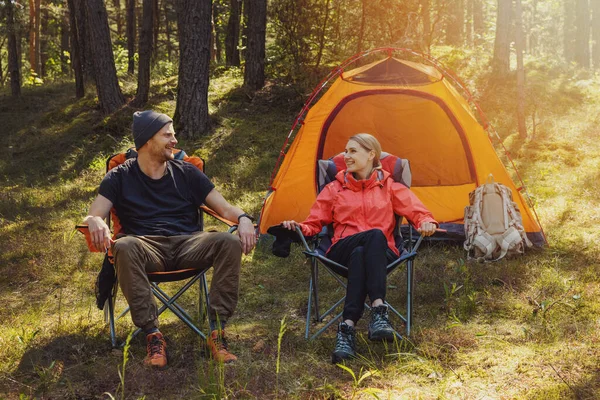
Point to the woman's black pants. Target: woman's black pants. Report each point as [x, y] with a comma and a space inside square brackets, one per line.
[366, 255]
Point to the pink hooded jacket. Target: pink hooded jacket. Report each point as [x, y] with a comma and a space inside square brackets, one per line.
[357, 206]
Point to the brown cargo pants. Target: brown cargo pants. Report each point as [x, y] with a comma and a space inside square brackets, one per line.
[134, 256]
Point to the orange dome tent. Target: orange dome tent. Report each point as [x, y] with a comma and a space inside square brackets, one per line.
[416, 114]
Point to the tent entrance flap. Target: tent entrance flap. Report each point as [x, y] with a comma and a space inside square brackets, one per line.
[412, 125]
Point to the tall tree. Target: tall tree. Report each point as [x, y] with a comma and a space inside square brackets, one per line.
[520, 48]
[595, 6]
[13, 60]
[455, 23]
[167, 12]
[478, 24]
[44, 39]
[130, 4]
[501, 59]
[76, 51]
[569, 30]
[191, 110]
[322, 33]
[146, 39]
[582, 38]
[118, 17]
[254, 72]
[426, 20]
[232, 38]
[107, 85]
[361, 29]
[85, 43]
[34, 36]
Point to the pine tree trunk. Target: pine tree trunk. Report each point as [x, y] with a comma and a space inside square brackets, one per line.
[32, 35]
[107, 85]
[254, 72]
[478, 24]
[38, 52]
[44, 34]
[155, 30]
[520, 48]
[191, 111]
[130, 36]
[244, 28]
[118, 17]
[83, 34]
[76, 51]
[569, 30]
[216, 14]
[361, 29]
[146, 38]
[582, 39]
[232, 38]
[168, 31]
[13, 59]
[501, 60]
[595, 5]
[455, 23]
[322, 35]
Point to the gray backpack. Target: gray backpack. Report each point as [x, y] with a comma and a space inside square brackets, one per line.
[493, 224]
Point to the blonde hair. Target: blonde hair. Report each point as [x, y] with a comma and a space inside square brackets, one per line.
[368, 142]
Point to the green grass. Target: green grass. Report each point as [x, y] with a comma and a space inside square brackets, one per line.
[524, 328]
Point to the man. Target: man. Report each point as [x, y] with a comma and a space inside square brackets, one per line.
[156, 199]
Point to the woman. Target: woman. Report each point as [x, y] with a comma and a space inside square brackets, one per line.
[361, 203]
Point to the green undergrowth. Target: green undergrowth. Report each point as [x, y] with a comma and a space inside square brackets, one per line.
[521, 328]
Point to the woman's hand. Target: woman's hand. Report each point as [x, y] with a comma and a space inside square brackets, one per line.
[427, 228]
[291, 225]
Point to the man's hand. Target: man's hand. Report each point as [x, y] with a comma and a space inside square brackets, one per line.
[99, 232]
[247, 235]
[427, 228]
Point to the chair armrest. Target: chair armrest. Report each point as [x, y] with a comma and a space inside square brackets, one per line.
[88, 238]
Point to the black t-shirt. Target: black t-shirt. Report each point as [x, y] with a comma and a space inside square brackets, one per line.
[167, 206]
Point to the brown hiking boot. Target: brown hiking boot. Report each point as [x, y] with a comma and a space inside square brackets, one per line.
[217, 345]
[157, 351]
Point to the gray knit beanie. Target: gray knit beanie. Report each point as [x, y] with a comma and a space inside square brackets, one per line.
[146, 124]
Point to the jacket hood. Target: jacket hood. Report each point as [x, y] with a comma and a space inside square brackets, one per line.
[377, 178]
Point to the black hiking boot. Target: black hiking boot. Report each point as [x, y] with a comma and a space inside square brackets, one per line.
[380, 328]
[345, 343]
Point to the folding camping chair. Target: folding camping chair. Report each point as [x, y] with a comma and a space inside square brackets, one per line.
[188, 276]
[316, 252]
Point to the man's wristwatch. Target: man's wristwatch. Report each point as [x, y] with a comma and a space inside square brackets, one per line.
[250, 217]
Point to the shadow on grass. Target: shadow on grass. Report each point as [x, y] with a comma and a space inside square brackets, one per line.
[55, 140]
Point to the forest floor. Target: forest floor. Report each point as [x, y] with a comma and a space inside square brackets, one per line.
[526, 328]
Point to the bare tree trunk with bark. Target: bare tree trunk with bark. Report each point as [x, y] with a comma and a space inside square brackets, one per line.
[76, 51]
[130, 36]
[569, 30]
[191, 111]
[322, 34]
[146, 38]
[455, 23]
[118, 17]
[13, 59]
[501, 60]
[107, 85]
[254, 71]
[478, 24]
[232, 38]
[520, 47]
[582, 38]
[361, 29]
[595, 6]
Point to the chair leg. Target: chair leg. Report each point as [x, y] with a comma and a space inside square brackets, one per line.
[308, 308]
[203, 302]
[111, 321]
[409, 295]
[315, 288]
